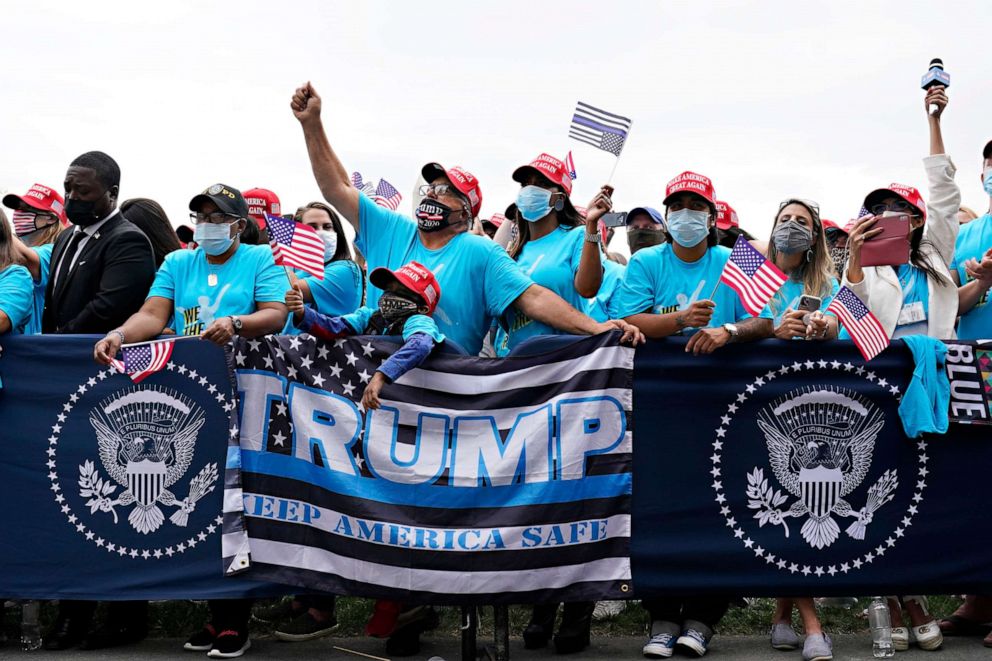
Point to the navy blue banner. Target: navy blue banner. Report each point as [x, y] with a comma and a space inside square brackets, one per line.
[110, 489]
[782, 469]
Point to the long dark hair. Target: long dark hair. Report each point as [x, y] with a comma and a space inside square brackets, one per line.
[8, 255]
[568, 218]
[921, 261]
[343, 251]
[151, 219]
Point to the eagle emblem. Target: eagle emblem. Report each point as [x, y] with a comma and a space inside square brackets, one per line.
[820, 441]
[146, 439]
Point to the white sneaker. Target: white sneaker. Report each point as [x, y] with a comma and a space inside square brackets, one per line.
[604, 610]
[900, 639]
[928, 636]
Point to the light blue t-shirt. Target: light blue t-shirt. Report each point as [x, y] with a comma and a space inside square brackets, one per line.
[16, 296]
[974, 239]
[45, 255]
[788, 295]
[478, 279]
[417, 323]
[658, 282]
[340, 292]
[248, 277]
[601, 307]
[915, 299]
[551, 261]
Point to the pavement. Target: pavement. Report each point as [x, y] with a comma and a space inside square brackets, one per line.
[738, 648]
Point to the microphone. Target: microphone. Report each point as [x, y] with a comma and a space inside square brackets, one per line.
[935, 76]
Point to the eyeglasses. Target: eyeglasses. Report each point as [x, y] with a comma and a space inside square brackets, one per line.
[439, 189]
[898, 205]
[215, 218]
[798, 200]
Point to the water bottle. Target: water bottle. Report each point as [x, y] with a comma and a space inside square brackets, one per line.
[30, 629]
[881, 629]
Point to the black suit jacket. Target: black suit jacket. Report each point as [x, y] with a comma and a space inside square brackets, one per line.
[107, 284]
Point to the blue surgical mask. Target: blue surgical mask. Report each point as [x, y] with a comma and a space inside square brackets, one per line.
[687, 227]
[987, 181]
[214, 239]
[534, 203]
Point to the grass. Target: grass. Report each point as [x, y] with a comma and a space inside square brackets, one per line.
[176, 619]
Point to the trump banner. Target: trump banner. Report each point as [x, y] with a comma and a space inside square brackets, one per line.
[477, 481]
[111, 489]
[793, 476]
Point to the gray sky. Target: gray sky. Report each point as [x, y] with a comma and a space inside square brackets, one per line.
[770, 99]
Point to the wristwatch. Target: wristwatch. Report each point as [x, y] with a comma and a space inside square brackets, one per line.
[594, 238]
[732, 329]
[236, 322]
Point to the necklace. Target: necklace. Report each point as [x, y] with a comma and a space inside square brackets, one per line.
[212, 274]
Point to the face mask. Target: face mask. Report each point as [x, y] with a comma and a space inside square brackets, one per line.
[330, 240]
[987, 181]
[214, 239]
[534, 203]
[81, 212]
[791, 237]
[641, 238]
[839, 257]
[433, 216]
[394, 307]
[688, 228]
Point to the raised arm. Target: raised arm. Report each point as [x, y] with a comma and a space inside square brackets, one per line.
[332, 177]
[944, 195]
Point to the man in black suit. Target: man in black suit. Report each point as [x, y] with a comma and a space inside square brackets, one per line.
[100, 270]
[100, 273]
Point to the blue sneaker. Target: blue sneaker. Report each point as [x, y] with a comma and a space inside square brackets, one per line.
[692, 642]
[661, 646]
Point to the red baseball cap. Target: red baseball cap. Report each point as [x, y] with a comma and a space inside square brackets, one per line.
[548, 167]
[902, 191]
[691, 182]
[260, 202]
[463, 180]
[39, 197]
[829, 224]
[415, 277]
[726, 217]
[496, 220]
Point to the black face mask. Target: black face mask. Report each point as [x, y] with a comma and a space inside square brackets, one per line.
[433, 216]
[81, 212]
[641, 238]
[394, 307]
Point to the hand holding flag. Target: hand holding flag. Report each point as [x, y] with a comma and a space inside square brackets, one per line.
[143, 360]
[866, 331]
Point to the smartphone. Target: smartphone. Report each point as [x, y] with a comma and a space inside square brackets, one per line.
[809, 304]
[615, 219]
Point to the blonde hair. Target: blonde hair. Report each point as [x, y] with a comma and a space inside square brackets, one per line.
[818, 270]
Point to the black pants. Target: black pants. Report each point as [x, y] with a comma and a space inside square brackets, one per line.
[130, 614]
[708, 610]
[230, 614]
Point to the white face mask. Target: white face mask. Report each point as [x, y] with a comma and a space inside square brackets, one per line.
[330, 239]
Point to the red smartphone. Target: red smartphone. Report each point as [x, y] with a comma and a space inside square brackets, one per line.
[891, 246]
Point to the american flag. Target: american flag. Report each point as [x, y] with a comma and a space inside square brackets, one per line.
[23, 222]
[296, 245]
[386, 196]
[861, 324]
[143, 360]
[601, 129]
[570, 166]
[753, 277]
[362, 185]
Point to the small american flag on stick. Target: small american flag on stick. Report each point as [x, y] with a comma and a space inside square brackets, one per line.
[143, 360]
[866, 331]
[386, 195]
[753, 277]
[296, 245]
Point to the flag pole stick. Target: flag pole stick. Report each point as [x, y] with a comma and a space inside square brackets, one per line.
[171, 338]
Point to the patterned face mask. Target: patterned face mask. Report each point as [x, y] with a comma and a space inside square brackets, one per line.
[394, 307]
[839, 257]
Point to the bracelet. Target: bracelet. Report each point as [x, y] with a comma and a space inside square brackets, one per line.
[118, 332]
[594, 238]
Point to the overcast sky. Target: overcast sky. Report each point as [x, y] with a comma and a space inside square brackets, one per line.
[770, 99]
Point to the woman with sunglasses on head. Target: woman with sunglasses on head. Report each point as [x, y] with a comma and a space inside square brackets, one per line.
[340, 290]
[919, 297]
[797, 246]
[551, 246]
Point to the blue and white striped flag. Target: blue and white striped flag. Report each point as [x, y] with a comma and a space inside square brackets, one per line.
[601, 129]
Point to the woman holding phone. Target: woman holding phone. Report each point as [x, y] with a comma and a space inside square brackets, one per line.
[918, 297]
[798, 247]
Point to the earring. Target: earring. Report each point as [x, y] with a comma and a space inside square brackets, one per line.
[559, 204]
[809, 255]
